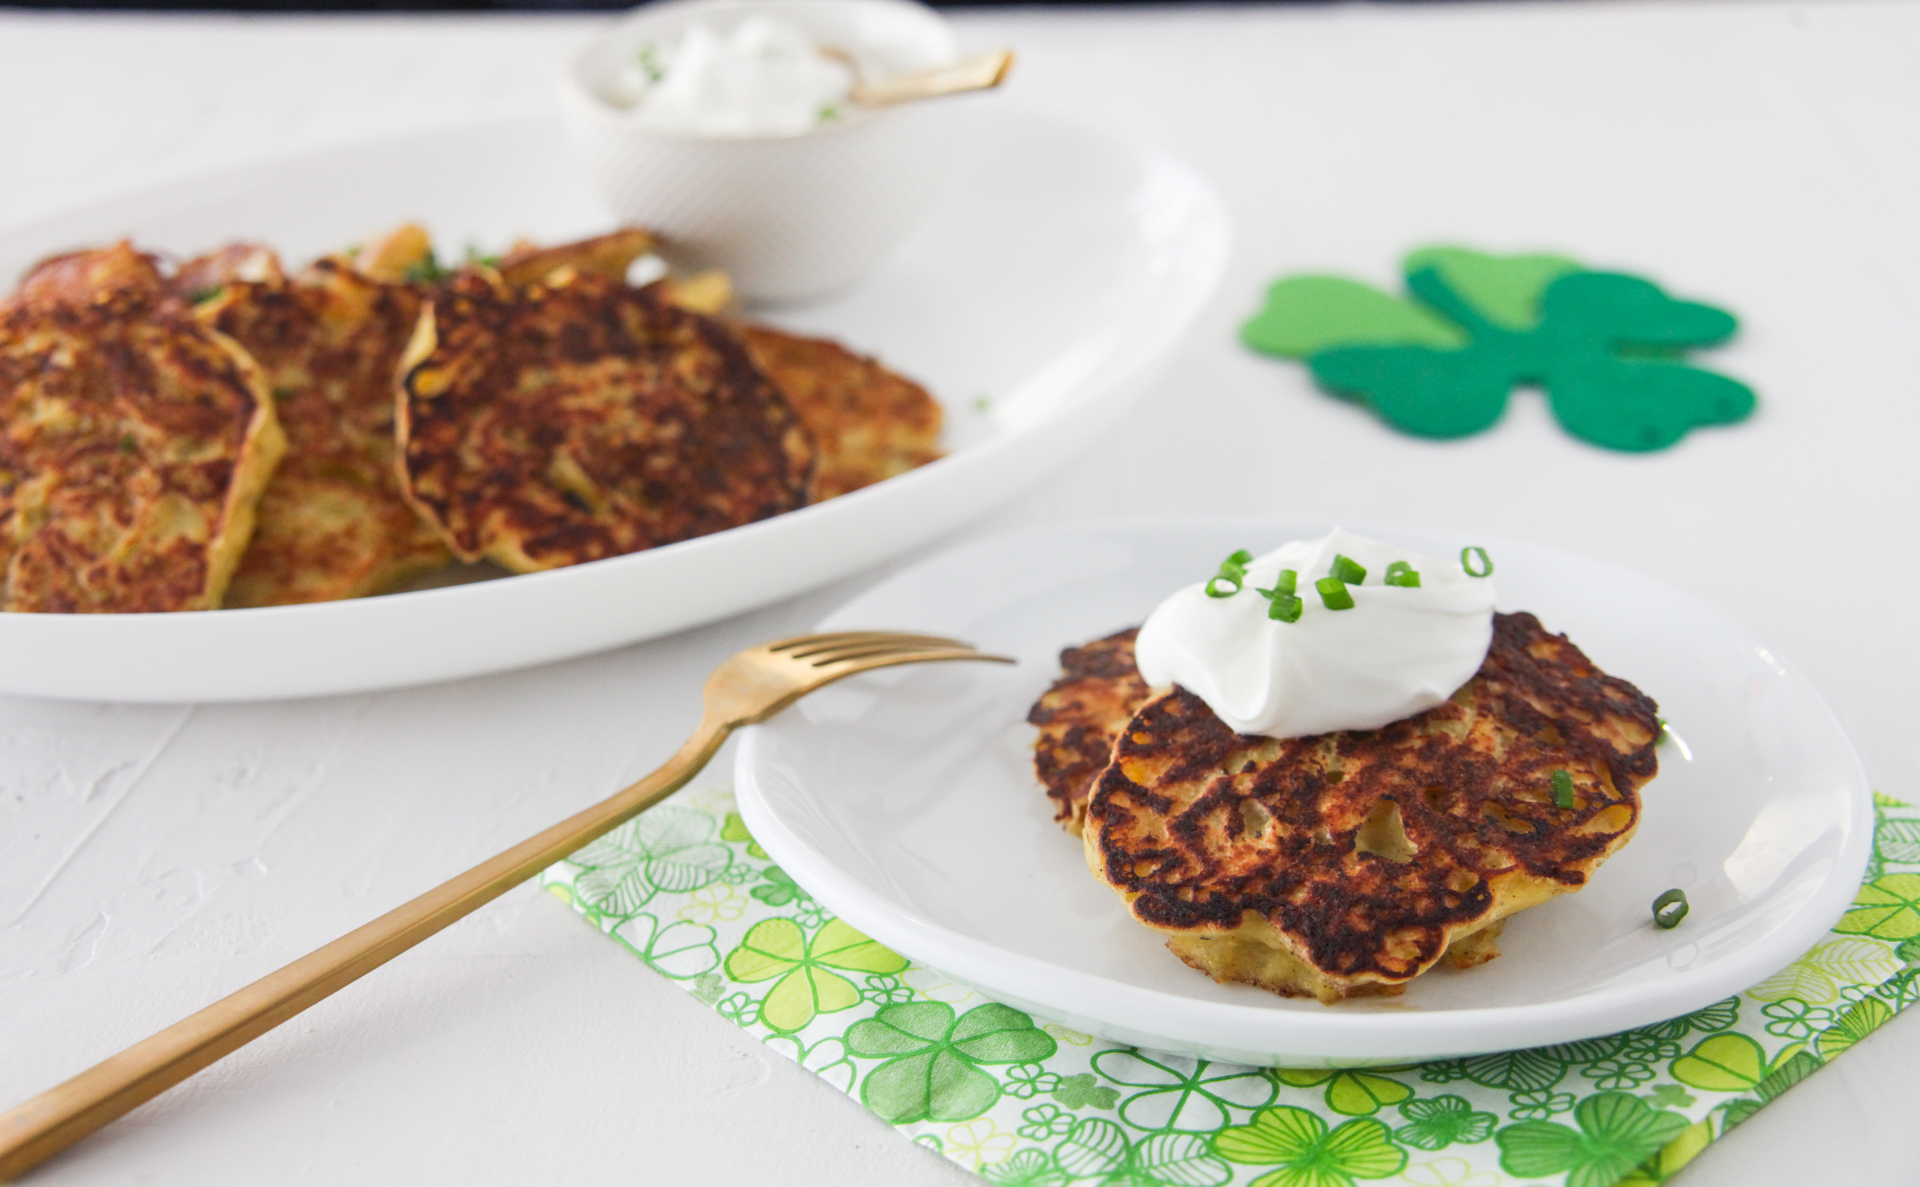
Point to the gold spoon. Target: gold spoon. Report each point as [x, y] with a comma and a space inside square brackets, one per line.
[979, 73]
[749, 687]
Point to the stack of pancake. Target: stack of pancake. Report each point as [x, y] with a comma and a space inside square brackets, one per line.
[228, 434]
[1348, 863]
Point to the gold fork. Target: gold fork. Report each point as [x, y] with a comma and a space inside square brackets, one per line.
[749, 687]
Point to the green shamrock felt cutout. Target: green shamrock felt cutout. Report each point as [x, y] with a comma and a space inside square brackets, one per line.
[1606, 348]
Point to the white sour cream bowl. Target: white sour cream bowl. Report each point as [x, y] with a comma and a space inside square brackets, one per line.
[790, 208]
[1399, 650]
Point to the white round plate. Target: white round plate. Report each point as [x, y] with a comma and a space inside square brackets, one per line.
[905, 800]
[1051, 281]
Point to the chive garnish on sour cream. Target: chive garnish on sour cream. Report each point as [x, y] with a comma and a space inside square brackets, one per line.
[1282, 605]
[1348, 570]
[1467, 556]
[1402, 574]
[1334, 593]
[1233, 573]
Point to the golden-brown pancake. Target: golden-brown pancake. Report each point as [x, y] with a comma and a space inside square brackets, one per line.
[134, 442]
[1348, 863]
[578, 418]
[333, 523]
[868, 422]
[1081, 716]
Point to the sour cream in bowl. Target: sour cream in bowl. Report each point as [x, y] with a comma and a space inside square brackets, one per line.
[727, 127]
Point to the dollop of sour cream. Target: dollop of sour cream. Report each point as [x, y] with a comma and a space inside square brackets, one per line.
[764, 77]
[1397, 651]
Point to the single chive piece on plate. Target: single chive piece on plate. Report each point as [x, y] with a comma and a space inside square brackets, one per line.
[1349, 570]
[1334, 594]
[1562, 789]
[1232, 575]
[1402, 574]
[1469, 555]
[1670, 908]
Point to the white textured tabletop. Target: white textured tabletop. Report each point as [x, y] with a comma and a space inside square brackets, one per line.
[153, 858]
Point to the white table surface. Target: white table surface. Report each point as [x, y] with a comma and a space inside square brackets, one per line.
[153, 858]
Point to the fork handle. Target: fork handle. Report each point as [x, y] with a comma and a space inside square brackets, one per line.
[40, 1128]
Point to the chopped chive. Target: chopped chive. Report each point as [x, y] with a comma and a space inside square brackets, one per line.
[426, 271]
[1467, 556]
[1333, 593]
[1402, 574]
[1281, 604]
[1233, 571]
[1348, 570]
[1670, 908]
[1562, 789]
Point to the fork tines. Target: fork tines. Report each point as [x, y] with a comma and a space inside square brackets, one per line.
[844, 646]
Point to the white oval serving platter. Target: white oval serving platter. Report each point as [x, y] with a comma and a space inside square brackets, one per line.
[905, 801]
[1035, 302]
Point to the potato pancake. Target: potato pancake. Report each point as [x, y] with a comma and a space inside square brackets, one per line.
[1348, 863]
[869, 423]
[1081, 717]
[333, 523]
[136, 442]
[579, 418]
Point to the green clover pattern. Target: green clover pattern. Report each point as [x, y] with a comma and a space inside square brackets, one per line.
[1029, 1103]
[1307, 1152]
[932, 1058]
[807, 984]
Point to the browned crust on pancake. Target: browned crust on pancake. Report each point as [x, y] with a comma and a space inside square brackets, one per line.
[868, 422]
[333, 523]
[566, 422]
[1080, 717]
[134, 442]
[1212, 836]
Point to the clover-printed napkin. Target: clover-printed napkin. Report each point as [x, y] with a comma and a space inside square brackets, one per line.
[1027, 1103]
